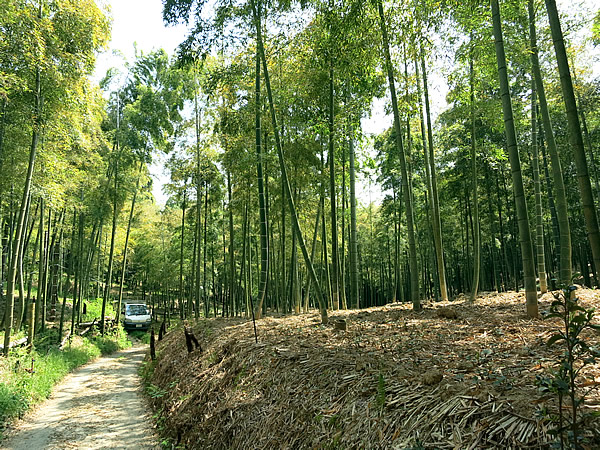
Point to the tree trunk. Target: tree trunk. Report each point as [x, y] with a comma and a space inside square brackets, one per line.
[476, 229]
[412, 246]
[124, 265]
[264, 241]
[204, 246]
[41, 265]
[111, 253]
[284, 175]
[354, 299]
[575, 137]
[16, 244]
[335, 281]
[231, 244]
[20, 275]
[313, 249]
[562, 214]
[437, 227]
[539, 228]
[513, 154]
[181, 289]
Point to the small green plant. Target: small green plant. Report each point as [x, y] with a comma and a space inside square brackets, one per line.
[563, 379]
[380, 398]
[155, 391]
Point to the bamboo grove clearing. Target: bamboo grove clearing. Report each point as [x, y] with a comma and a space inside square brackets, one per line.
[260, 119]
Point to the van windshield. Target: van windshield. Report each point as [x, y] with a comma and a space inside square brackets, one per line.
[136, 310]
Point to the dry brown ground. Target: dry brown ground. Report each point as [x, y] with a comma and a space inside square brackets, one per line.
[395, 379]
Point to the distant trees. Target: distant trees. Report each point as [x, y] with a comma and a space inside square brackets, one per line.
[263, 126]
[49, 50]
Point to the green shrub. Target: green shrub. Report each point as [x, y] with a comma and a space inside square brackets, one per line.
[12, 402]
[563, 379]
[112, 341]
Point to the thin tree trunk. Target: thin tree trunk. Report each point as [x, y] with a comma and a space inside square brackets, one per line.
[429, 206]
[231, 244]
[111, 253]
[284, 175]
[41, 265]
[575, 137]
[354, 298]
[565, 263]
[539, 228]
[437, 227]
[44, 287]
[20, 271]
[16, 244]
[181, 289]
[513, 154]
[126, 248]
[264, 240]
[343, 228]
[412, 246]
[327, 272]
[476, 230]
[335, 282]
[204, 246]
[312, 256]
[72, 269]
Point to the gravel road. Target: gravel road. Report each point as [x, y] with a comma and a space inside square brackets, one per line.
[97, 406]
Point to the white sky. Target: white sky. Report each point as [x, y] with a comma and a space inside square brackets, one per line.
[139, 23]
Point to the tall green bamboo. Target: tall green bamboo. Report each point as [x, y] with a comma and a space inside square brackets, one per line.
[575, 136]
[562, 214]
[125, 249]
[335, 277]
[111, 254]
[354, 297]
[182, 243]
[539, 227]
[435, 202]
[284, 176]
[476, 228]
[264, 241]
[407, 190]
[16, 243]
[515, 163]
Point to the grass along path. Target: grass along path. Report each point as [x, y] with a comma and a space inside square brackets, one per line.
[97, 406]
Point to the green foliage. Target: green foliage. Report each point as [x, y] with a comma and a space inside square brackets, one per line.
[94, 310]
[563, 380]
[112, 341]
[596, 29]
[155, 391]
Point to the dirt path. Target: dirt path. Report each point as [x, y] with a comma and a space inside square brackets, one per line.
[97, 406]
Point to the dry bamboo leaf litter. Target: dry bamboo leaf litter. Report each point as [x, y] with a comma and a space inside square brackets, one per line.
[305, 385]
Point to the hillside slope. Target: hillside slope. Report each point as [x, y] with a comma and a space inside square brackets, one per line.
[451, 376]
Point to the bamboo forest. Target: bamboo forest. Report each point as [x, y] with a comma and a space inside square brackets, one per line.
[314, 224]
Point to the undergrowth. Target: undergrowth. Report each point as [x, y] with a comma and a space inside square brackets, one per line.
[21, 387]
[565, 379]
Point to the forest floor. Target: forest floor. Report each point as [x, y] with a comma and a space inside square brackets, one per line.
[454, 375]
[97, 406]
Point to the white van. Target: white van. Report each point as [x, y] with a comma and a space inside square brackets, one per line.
[136, 316]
